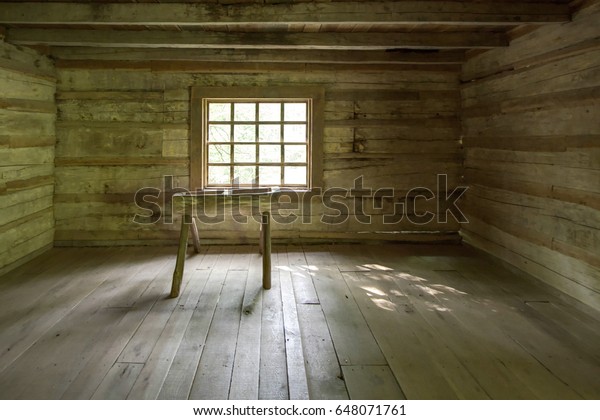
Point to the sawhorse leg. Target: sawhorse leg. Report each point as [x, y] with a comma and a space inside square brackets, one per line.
[265, 249]
[181, 252]
[195, 236]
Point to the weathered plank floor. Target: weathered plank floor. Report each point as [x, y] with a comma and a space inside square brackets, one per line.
[359, 322]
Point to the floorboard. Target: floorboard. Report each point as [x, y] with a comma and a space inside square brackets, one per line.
[246, 366]
[371, 383]
[213, 377]
[273, 382]
[118, 381]
[406, 346]
[156, 368]
[340, 322]
[179, 380]
[296, 365]
[104, 357]
[29, 312]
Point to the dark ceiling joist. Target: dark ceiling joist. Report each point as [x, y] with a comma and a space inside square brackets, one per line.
[285, 41]
[396, 56]
[437, 12]
[248, 67]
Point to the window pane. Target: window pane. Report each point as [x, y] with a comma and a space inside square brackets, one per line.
[269, 112]
[294, 132]
[257, 140]
[218, 175]
[219, 112]
[295, 154]
[270, 153]
[244, 133]
[219, 133]
[244, 153]
[269, 175]
[244, 174]
[219, 153]
[270, 133]
[244, 112]
[295, 175]
[294, 112]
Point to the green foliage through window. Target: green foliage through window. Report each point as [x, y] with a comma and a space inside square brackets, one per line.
[261, 143]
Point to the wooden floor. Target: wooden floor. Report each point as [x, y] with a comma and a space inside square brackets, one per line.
[360, 322]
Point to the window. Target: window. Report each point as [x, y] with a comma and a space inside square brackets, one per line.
[256, 137]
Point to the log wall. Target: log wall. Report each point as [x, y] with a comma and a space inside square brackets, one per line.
[124, 125]
[531, 119]
[27, 137]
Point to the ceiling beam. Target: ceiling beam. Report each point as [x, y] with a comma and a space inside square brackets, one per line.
[249, 67]
[448, 12]
[260, 55]
[201, 39]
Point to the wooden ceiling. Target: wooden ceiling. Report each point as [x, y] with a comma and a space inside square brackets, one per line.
[307, 31]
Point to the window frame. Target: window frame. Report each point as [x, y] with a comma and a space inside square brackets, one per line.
[198, 133]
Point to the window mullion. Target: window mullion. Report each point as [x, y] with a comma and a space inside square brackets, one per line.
[256, 140]
[232, 142]
[281, 152]
[205, 131]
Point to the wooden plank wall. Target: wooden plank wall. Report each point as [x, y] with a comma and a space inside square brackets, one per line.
[125, 125]
[27, 137]
[531, 118]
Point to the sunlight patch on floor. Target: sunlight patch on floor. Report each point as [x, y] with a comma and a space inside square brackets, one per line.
[384, 304]
[377, 267]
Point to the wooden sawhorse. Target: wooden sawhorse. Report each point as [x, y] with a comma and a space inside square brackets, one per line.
[188, 221]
